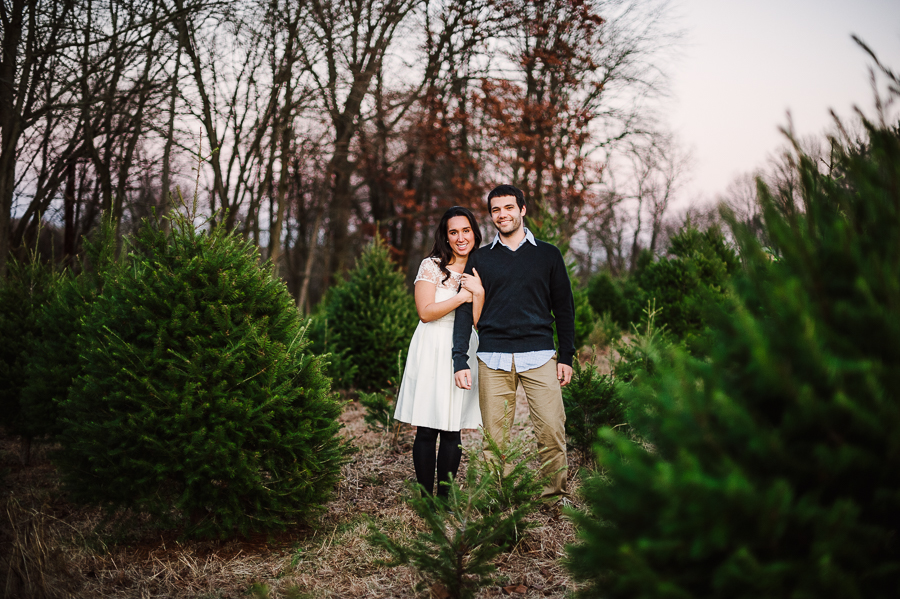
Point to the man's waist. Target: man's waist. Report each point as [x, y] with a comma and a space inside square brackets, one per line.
[488, 343]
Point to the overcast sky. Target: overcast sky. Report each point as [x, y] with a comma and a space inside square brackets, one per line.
[745, 63]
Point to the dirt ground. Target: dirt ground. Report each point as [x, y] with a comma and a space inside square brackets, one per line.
[55, 549]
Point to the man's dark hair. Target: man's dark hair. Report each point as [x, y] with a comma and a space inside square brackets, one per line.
[506, 190]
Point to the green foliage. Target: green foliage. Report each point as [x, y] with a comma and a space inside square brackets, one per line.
[585, 316]
[372, 316]
[606, 331]
[606, 296]
[380, 405]
[336, 363]
[686, 285]
[379, 410]
[591, 401]
[27, 289]
[198, 403]
[462, 538]
[773, 471]
[52, 361]
[638, 355]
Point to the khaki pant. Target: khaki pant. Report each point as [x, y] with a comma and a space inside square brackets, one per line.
[497, 398]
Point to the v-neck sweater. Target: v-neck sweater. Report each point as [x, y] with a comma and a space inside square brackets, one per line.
[525, 292]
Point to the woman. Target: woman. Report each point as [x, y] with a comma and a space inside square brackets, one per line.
[428, 397]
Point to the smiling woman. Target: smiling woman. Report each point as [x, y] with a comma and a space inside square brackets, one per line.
[428, 397]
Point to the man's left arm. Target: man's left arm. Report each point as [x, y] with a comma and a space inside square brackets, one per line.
[563, 307]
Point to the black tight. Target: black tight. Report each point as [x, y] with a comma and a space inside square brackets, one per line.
[448, 457]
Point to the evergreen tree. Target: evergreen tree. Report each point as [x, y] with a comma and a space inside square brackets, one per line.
[478, 522]
[198, 403]
[591, 401]
[52, 360]
[336, 360]
[606, 296]
[27, 289]
[774, 463]
[372, 316]
[689, 282]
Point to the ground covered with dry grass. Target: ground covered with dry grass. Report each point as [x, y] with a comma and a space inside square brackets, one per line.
[51, 548]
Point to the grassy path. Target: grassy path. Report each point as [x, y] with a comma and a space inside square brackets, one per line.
[54, 549]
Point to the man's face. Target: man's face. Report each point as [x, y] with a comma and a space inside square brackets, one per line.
[506, 214]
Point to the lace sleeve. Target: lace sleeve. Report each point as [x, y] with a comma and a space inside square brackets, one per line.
[429, 271]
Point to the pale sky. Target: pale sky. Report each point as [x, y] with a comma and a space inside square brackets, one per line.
[744, 64]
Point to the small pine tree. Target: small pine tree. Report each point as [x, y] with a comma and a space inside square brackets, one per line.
[479, 522]
[774, 467]
[372, 316]
[380, 406]
[336, 361]
[52, 361]
[27, 289]
[591, 401]
[637, 355]
[686, 285]
[197, 402]
[606, 296]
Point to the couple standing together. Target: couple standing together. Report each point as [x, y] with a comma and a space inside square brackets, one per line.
[512, 290]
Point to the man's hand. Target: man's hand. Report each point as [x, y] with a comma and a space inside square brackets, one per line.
[563, 374]
[464, 378]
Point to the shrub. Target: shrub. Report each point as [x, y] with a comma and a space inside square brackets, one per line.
[774, 464]
[372, 316]
[198, 403]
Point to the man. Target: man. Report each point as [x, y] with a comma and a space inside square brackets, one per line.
[525, 286]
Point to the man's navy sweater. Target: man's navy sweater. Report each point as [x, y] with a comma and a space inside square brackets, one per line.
[523, 291]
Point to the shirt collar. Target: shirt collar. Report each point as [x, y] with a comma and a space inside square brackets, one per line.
[529, 237]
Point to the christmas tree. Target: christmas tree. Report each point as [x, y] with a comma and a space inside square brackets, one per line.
[773, 469]
[51, 361]
[198, 403]
[685, 285]
[28, 288]
[372, 316]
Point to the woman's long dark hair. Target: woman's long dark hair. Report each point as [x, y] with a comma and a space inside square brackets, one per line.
[441, 248]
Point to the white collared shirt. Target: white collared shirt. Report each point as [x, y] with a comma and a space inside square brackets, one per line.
[529, 237]
[528, 360]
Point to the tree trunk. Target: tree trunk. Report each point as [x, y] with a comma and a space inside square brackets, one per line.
[303, 297]
[69, 211]
[166, 192]
[10, 124]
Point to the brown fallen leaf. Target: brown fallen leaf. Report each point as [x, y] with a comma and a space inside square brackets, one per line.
[439, 591]
[516, 588]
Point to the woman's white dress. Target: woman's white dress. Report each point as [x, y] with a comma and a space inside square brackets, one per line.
[428, 394]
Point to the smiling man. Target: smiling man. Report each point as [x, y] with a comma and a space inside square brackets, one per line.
[526, 289]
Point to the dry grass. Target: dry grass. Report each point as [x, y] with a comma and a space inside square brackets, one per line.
[52, 549]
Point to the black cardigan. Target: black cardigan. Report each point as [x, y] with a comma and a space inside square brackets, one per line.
[524, 290]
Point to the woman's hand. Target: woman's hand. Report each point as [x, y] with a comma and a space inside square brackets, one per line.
[465, 295]
[472, 283]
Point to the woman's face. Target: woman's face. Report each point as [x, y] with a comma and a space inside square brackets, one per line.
[460, 236]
